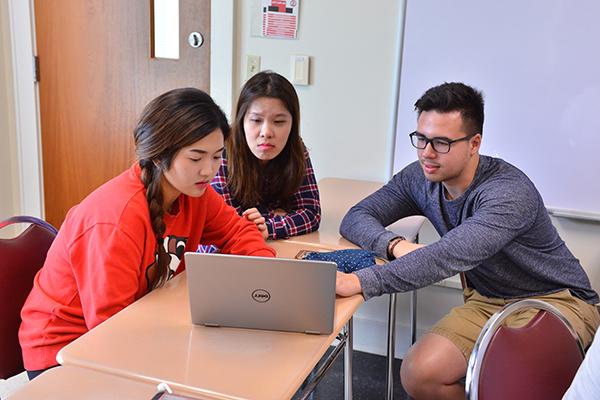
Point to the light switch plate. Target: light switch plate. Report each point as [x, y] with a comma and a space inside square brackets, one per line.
[252, 65]
[300, 68]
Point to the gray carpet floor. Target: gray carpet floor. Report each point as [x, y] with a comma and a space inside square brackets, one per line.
[368, 379]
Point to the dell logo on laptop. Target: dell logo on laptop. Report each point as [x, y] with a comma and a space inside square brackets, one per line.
[261, 296]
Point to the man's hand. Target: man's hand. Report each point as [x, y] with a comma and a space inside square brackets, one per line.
[254, 216]
[347, 284]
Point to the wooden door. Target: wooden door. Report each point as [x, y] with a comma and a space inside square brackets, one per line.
[96, 75]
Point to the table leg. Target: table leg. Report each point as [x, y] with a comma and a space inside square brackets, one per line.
[391, 347]
[348, 363]
[344, 344]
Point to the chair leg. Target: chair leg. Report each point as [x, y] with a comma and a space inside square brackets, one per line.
[413, 317]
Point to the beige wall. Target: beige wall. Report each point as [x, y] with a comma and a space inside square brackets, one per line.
[9, 192]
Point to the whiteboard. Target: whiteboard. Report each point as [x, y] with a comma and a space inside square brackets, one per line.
[537, 63]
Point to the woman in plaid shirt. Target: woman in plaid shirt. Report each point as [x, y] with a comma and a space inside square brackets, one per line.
[266, 173]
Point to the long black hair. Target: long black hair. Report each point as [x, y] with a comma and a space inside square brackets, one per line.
[249, 182]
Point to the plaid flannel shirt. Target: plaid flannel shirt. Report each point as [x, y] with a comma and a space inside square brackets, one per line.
[304, 217]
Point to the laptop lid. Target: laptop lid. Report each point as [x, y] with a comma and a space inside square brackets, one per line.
[261, 292]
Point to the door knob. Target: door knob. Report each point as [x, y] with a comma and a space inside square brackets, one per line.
[195, 39]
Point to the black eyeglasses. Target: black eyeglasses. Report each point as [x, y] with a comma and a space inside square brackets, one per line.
[440, 145]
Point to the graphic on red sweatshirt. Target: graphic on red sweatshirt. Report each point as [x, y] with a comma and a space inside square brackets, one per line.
[175, 248]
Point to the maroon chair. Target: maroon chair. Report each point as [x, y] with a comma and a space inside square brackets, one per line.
[21, 257]
[535, 361]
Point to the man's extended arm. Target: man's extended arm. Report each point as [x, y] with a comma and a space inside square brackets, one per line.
[365, 223]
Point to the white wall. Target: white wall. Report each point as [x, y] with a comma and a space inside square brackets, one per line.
[9, 192]
[346, 109]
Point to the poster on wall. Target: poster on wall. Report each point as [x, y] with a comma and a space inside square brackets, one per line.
[280, 18]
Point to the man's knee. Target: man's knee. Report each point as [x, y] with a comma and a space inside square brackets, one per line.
[431, 364]
[417, 374]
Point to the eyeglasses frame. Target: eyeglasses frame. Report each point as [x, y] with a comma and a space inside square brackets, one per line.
[430, 141]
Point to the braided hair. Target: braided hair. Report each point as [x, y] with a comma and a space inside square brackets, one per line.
[171, 121]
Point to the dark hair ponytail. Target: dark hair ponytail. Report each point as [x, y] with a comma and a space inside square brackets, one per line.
[173, 120]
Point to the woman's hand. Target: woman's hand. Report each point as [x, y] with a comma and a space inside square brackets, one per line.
[254, 216]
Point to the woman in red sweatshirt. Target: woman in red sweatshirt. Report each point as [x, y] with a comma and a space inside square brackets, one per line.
[114, 246]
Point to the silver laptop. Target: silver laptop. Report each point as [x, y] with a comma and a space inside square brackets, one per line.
[261, 292]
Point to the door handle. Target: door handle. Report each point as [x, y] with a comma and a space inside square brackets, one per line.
[195, 39]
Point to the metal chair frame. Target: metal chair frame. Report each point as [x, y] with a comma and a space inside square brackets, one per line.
[490, 329]
[23, 219]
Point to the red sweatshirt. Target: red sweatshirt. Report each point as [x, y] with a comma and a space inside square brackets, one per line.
[98, 263]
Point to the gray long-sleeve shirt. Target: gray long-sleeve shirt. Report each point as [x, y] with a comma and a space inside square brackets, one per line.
[498, 232]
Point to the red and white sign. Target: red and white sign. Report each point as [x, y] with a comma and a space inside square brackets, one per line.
[280, 18]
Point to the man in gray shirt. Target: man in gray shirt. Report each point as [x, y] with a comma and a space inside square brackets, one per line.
[494, 228]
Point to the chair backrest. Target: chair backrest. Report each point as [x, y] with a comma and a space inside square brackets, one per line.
[22, 257]
[535, 361]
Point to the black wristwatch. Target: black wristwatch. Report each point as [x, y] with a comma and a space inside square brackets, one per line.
[391, 245]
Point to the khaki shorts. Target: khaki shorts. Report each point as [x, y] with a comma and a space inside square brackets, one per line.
[463, 324]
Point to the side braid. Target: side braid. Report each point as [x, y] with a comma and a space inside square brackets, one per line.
[151, 177]
[172, 121]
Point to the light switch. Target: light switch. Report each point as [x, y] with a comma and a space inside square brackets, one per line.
[252, 66]
[300, 67]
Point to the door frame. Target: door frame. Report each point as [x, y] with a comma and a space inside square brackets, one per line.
[26, 96]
